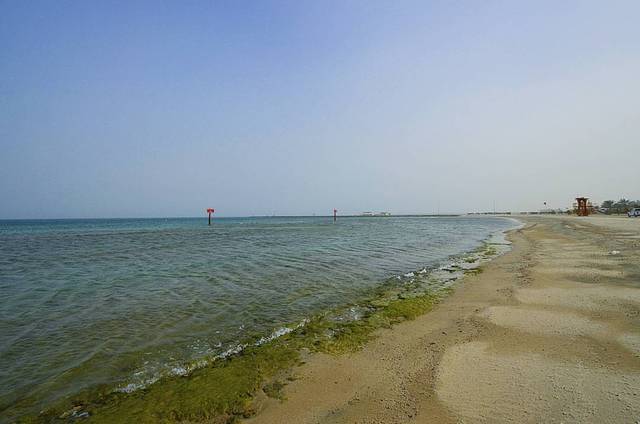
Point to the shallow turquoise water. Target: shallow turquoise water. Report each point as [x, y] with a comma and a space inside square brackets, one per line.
[122, 302]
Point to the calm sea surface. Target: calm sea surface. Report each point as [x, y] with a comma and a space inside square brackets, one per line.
[124, 301]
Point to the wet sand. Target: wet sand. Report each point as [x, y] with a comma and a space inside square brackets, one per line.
[548, 332]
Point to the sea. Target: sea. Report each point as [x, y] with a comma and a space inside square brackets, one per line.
[120, 303]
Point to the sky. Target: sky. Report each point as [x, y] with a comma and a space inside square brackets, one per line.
[145, 109]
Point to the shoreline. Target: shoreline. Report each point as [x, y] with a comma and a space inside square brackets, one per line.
[547, 333]
[341, 330]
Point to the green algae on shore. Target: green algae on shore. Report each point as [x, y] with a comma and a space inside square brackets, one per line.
[224, 390]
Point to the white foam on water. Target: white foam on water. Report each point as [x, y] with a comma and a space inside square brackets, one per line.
[132, 387]
[180, 371]
[232, 351]
[277, 333]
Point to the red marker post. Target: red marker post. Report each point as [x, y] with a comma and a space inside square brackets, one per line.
[210, 211]
[335, 215]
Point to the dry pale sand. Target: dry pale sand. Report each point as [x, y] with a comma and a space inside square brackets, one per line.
[548, 333]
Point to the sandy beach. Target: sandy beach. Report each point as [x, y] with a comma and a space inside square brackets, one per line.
[546, 333]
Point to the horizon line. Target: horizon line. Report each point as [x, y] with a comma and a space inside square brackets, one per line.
[245, 216]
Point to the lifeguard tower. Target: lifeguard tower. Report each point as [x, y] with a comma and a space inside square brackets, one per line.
[583, 208]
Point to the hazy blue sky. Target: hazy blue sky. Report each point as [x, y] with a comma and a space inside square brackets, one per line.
[295, 107]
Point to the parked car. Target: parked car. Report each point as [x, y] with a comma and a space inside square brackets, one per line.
[634, 212]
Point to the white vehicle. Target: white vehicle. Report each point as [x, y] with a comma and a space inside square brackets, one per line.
[634, 212]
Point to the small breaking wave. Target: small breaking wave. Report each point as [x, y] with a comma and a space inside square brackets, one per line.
[185, 370]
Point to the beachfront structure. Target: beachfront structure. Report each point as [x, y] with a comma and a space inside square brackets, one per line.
[582, 207]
